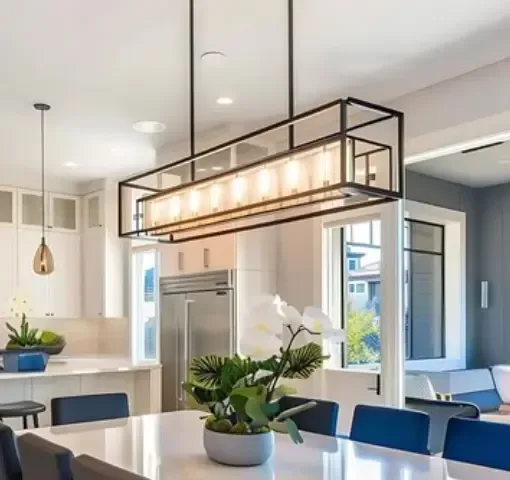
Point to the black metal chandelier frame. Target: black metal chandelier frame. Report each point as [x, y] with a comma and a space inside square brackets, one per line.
[343, 189]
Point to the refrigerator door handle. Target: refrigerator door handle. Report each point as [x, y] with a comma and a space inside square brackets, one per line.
[186, 349]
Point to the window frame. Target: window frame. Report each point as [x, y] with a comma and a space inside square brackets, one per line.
[136, 308]
[441, 254]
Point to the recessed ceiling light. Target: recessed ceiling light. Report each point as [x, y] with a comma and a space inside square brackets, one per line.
[224, 101]
[201, 170]
[217, 168]
[149, 126]
[70, 164]
[213, 59]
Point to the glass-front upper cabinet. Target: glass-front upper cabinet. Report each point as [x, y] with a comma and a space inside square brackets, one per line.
[7, 206]
[63, 213]
[94, 210]
[30, 208]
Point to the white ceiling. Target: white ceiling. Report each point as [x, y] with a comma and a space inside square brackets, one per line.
[490, 166]
[105, 65]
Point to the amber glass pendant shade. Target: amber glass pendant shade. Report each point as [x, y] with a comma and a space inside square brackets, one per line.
[43, 260]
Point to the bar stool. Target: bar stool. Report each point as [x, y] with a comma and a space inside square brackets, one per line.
[22, 409]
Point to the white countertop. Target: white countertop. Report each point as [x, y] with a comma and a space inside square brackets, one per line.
[169, 446]
[65, 366]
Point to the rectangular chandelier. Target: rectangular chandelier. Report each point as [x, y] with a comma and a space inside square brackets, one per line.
[339, 156]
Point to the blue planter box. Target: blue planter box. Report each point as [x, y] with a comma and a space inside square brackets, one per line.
[24, 361]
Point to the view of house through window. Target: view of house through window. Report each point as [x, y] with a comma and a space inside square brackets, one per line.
[360, 278]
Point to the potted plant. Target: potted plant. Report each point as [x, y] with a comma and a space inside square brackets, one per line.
[242, 392]
[26, 337]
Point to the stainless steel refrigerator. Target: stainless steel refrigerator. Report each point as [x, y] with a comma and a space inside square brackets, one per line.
[197, 317]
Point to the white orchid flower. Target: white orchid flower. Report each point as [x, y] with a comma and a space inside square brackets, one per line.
[259, 345]
[315, 320]
[266, 316]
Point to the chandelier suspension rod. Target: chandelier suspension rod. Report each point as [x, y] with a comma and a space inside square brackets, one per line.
[192, 86]
[290, 63]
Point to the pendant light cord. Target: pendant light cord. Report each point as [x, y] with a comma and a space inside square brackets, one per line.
[42, 175]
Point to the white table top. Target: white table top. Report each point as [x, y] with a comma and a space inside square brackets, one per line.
[169, 446]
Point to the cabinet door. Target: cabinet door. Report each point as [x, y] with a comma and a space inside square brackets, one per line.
[94, 210]
[8, 260]
[218, 253]
[64, 284]
[30, 285]
[30, 209]
[63, 214]
[7, 206]
[93, 272]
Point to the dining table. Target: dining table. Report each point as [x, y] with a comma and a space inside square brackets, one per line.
[169, 446]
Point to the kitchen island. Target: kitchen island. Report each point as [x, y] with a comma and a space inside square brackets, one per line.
[65, 376]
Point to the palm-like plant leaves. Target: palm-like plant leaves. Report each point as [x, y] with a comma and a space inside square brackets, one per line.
[207, 370]
[303, 361]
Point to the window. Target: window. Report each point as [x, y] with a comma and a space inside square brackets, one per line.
[145, 298]
[352, 264]
[360, 313]
[424, 290]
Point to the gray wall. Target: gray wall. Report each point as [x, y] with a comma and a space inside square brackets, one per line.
[434, 191]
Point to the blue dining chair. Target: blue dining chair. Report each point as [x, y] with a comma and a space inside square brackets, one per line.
[89, 408]
[391, 428]
[43, 460]
[478, 442]
[321, 419]
[10, 468]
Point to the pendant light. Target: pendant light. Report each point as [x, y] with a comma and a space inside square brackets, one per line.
[43, 258]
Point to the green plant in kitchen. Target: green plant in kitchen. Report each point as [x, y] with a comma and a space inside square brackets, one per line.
[26, 336]
[242, 393]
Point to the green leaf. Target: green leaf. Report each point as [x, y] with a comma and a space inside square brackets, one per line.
[283, 391]
[294, 410]
[238, 403]
[270, 409]
[207, 370]
[234, 370]
[280, 427]
[293, 431]
[254, 411]
[250, 392]
[11, 328]
[303, 361]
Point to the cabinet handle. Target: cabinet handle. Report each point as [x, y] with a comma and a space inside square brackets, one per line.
[207, 252]
[180, 261]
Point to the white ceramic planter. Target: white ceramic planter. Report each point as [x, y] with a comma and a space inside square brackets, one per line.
[239, 450]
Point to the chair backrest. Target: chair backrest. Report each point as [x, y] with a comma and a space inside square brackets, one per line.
[391, 427]
[478, 442]
[10, 468]
[85, 467]
[440, 412]
[320, 419]
[43, 460]
[89, 408]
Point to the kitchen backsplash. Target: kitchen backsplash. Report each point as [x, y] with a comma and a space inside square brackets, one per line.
[84, 336]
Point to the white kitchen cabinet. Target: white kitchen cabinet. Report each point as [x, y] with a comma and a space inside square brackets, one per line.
[7, 206]
[57, 294]
[30, 285]
[93, 272]
[63, 215]
[8, 273]
[64, 284]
